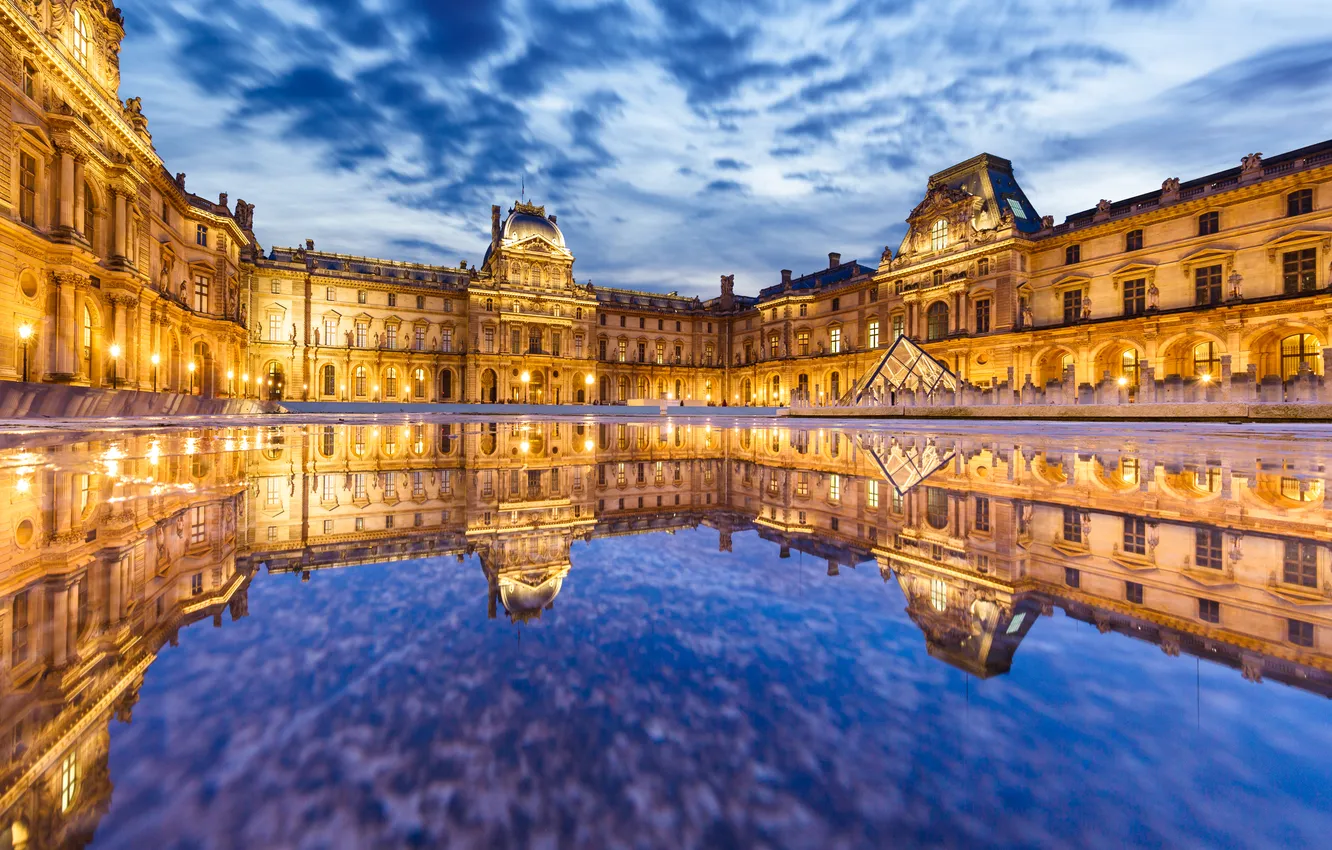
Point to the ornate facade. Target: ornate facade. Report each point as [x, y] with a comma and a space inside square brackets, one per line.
[1221, 551]
[115, 275]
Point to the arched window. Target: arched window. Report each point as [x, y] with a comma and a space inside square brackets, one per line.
[1298, 350]
[1206, 363]
[418, 383]
[1128, 364]
[358, 381]
[328, 441]
[936, 507]
[835, 386]
[446, 384]
[80, 39]
[939, 235]
[623, 386]
[390, 382]
[776, 390]
[87, 334]
[642, 387]
[678, 387]
[490, 305]
[330, 380]
[936, 321]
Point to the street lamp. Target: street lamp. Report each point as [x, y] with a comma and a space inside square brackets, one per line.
[190, 367]
[114, 351]
[231, 382]
[525, 377]
[25, 334]
[155, 359]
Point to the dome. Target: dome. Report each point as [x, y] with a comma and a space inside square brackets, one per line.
[521, 225]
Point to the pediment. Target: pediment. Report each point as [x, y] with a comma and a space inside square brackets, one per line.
[1299, 234]
[1135, 267]
[1071, 279]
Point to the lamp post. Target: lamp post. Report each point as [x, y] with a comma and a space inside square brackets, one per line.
[190, 367]
[155, 359]
[245, 384]
[525, 377]
[25, 335]
[114, 351]
[589, 380]
[231, 382]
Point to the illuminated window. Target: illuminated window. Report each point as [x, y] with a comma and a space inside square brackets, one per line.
[1207, 285]
[939, 235]
[1207, 552]
[874, 334]
[774, 346]
[1299, 350]
[936, 507]
[359, 381]
[1299, 564]
[197, 528]
[938, 594]
[872, 495]
[418, 383]
[834, 487]
[835, 340]
[1135, 535]
[69, 773]
[200, 294]
[80, 40]
[936, 321]
[1299, 271]
[330, 379]
[27, 189]
[1205, 360]
[391, 383]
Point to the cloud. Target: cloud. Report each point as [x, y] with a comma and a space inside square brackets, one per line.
[628, 116]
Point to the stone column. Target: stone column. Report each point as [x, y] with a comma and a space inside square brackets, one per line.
[115, 588]
[63, 357]
[80, 301]
[66, 216]
[59, 626]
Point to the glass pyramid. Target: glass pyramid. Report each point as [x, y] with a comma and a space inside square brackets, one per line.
[904, 365]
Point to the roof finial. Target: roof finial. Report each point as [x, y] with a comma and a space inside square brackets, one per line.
[523, 190]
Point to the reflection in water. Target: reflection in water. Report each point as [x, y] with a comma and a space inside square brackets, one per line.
[1217, 549]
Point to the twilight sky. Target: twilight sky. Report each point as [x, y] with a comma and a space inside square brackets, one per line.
[682, 140]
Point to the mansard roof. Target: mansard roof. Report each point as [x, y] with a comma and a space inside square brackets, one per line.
[842, 274]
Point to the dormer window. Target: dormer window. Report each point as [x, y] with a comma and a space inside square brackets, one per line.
[939, 235]
[80, 40]
[1072, 255]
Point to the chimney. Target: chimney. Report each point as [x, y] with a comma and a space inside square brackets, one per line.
[786, 277]
[495, 225]
[222, 200]
[309, 244]
[834, 260]
[552, 219]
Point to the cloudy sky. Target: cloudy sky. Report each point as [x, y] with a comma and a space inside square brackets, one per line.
[678, 140]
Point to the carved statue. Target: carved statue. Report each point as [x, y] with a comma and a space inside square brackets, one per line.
[349, 339]
[293, 333]
[1086, 306]
[1251, 164]
[1170, 186]
[184, 291]
[1153, 297]
[180, 180]
[1027, 318]
[1236, 286]
[727, 285]
[134, 106]
[1103, 206]
[316, 336]
[886, 256]
[1047, 221]
[244, 214]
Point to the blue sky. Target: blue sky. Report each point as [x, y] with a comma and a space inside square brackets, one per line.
[679, 141]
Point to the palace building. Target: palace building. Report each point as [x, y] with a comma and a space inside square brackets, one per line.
[114, 275]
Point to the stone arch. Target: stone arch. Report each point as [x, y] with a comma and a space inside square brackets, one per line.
[489, 386]
[1184, 354]
[1121, 358]
[1271, 349]
[1049, 364]
[445, 384]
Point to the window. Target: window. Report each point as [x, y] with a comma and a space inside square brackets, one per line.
[1299, 202]
[515, 340]
[804, 309]
[1209, 223]
[275, 327]
[623, 350]
[196, 584]
[20, 623]
[1133, 240]
[802, 342]
[835, 340]
[1207, 285]
[1300, 633]
[418, 383]
[1135, 297]
[872, 495]
[69, 767]
[555, 343]
[359, 381]
[80, 38]
[642, 323]
[936, 321]
[836, 304]
[390, 386]
[1209, 610]
[1072, 577]
[275, 288]
[939, 235]
[1072, 255]
[1207, 548]
[534, 340]
[1206, 361]
[1135, 536]
[362, 297]
[834, 487]
[774, 343]
[393, 299]
[936, 507]
[1296, 351]
[983, 316]
[622, 318]
[330, 293]
[1299, 564]
[1298, 271]
[982, 266]
[1133, 592]
[201, 235]
[1072, 526]
[642, 353]
[874, 334]
[200, 294]
[899, 327]
[982, 515]
[29, 80]
[936, 278]
[938, 594]
[488, 340]
[661, 353]
[1072, 305]
[28, 189]
[420, 302]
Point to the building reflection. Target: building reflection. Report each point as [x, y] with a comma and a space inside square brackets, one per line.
[1218, 550]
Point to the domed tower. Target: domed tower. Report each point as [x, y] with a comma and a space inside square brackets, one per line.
[527, 250]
